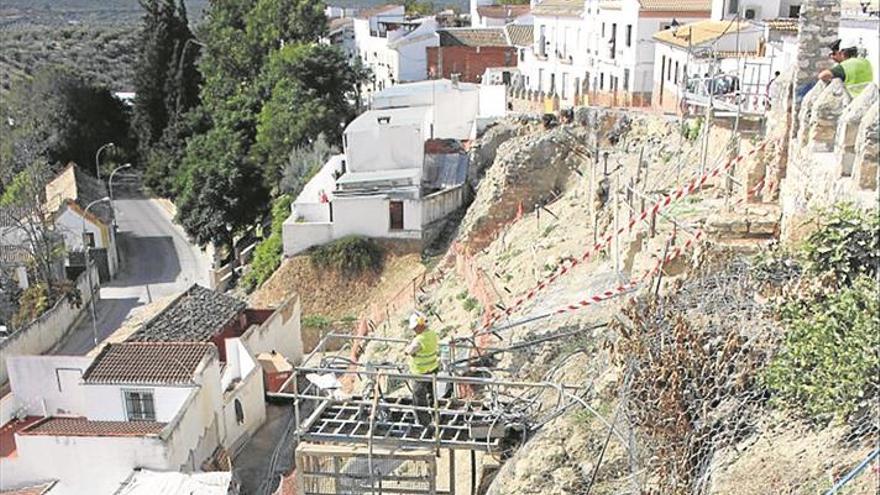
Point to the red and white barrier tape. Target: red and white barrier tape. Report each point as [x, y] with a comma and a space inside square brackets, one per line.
[685, 190]
[632, 284]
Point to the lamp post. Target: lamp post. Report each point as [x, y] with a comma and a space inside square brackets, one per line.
[87, 248]
[98, 157]
[110, 185]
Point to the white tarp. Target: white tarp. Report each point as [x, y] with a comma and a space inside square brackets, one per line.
[170, 483]
[389, 139]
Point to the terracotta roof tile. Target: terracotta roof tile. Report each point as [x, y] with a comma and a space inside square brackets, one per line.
[503, 11]
[677, 5]
[148, 363]
[40, 489]
[784, 24]
[698, 33]
[82, 427]
[520, 34]
[373, 11]
[195, 316]
[566, 8]
[472, 37]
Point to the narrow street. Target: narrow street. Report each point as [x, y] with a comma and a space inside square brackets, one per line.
[156, 260]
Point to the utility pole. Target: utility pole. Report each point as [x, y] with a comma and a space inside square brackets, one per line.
[98, 158]
[87, 248]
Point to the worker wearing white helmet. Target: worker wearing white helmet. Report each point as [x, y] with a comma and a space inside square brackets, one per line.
[853, 70]
[424, 352]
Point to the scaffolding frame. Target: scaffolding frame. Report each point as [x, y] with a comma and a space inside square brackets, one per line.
[471, 413]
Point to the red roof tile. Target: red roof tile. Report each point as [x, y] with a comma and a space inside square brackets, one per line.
[503, 11]
[148, 363]
[40, 489]
[82, 427]
[8, 431]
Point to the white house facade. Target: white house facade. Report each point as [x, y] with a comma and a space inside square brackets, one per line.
[557, 62]
[88, 423]
[403, 166]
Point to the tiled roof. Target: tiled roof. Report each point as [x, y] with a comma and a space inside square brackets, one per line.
[503, 11]
[698, 33]
[165, 363]
[565, 8]
[784, 24]
[520, 34]
[82, 427]
[338, 23]
[373, 11]
[72, 184]
[677, 5]
[40, 489]
[195, 316]
[472, 37]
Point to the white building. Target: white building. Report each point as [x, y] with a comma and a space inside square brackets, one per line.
[67, 197]
[489, 13]
[402, 170]
[183, 388]
[557, 62]
[392, 47]
[87, 423]
[340, 33]
[621, 47]
[754, 10]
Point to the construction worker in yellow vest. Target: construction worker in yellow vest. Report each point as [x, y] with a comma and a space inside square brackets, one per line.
[424, 353]
[855, 71]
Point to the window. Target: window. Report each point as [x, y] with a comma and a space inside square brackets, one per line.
[139, 405]
[522, 55]
[239, 412]
[564, 84]
[794, 11]
[540, 79]
[629, 35]
[675, 80]
[552, 84]
[89, 239]
[601, 80]
[603, 29]
[669, 71]
[395, 214]
[625, 79]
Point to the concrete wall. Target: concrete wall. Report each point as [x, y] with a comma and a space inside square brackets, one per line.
[297, 237]
[249, 392]
[70, 224]
[107, 402]
[83, 465]
[47, 330]
[440, 204]
[281, 332]
[47, 384]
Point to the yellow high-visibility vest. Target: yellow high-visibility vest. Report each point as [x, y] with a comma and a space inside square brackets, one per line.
[427, 358]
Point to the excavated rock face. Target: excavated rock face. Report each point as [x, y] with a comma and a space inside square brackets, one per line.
[483, 151]
[527, 170]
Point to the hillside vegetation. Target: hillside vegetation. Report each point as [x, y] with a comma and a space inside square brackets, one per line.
[105, 55]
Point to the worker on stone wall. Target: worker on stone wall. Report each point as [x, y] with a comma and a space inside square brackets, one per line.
[424, 352]
[853, 70]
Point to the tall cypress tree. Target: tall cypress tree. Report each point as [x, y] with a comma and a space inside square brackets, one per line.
[166, 80]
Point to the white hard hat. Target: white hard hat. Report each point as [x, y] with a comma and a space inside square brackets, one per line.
[846, 42]
[416, 319]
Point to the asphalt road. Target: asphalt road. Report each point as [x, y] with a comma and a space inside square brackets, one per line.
[157, 260]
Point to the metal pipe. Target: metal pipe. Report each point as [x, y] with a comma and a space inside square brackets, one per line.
[450, 379]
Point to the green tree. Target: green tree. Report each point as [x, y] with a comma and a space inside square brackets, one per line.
[220, 192]
[312, 90]
[66, 118]
[166, 80]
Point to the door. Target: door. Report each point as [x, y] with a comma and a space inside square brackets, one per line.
[395, 214]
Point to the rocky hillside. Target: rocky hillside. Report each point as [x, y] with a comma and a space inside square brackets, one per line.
[661, 271]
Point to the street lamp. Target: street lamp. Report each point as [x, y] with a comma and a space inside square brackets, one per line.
[97, 158]
[110, 182]
[87, 248]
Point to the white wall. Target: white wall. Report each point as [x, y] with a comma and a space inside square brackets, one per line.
[280, 333]
[396, 145]
[864, 30]
[48, 384]
[83, 465]
[455, 112]
[70, 224]
[107, 402]
[442, 203]
[493, 101]
[47, 330]
[249, 392]
[410, 58]
[298, 237]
